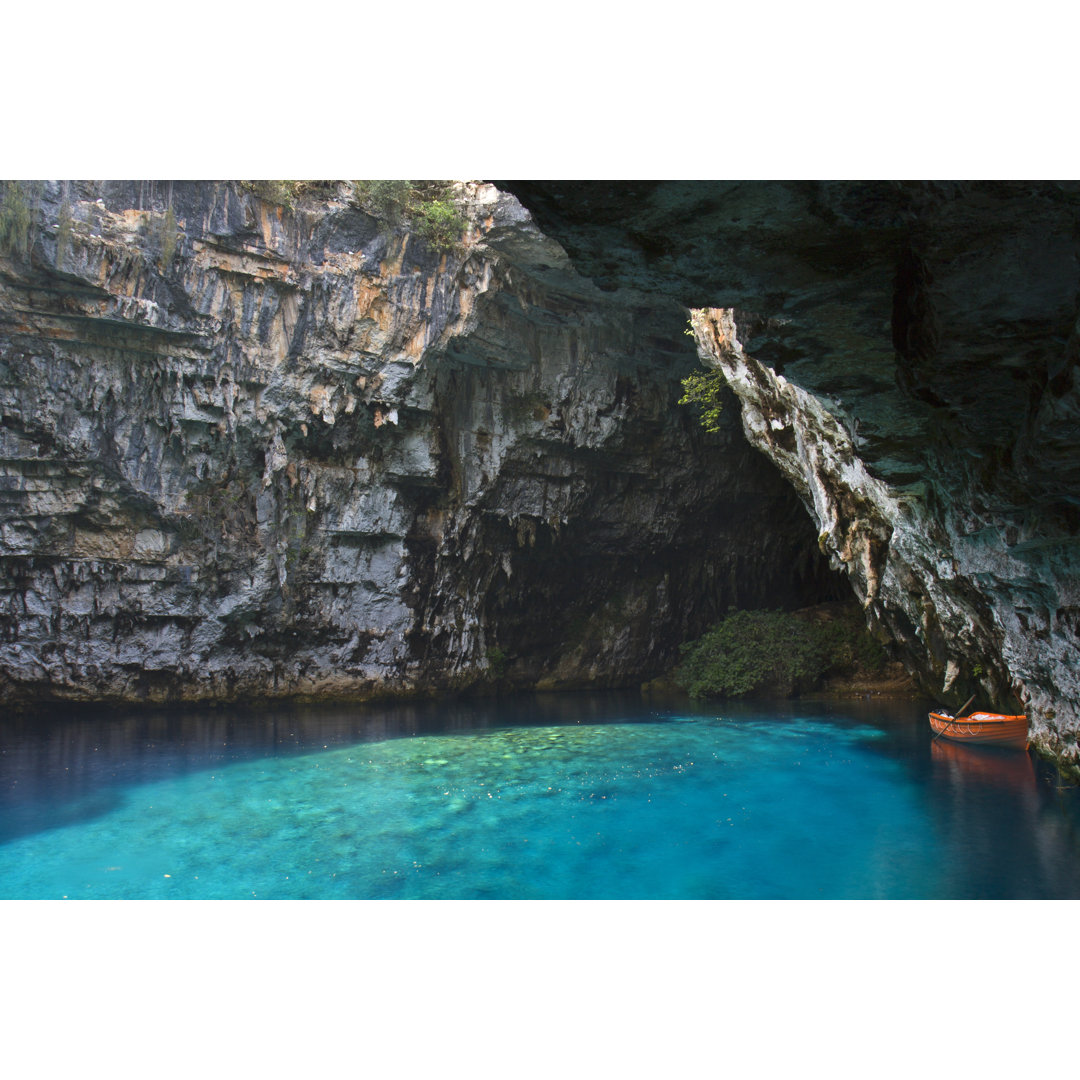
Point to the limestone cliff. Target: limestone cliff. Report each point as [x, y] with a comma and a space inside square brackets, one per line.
[253, 450]
[907, 355]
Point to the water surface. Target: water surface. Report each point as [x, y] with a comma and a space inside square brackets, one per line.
[586, 796]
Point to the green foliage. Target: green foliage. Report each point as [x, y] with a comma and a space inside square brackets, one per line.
[166, 236]
[387, 200]
[278, 192]
[428, 206]
[15, 218]
[776, 651]
[440, 223]
[498, 661]
[63, 230]
[705, 390]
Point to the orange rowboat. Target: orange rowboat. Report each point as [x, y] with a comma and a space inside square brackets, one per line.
[982, 727]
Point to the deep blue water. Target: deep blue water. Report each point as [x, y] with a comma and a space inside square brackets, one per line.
[582, 796]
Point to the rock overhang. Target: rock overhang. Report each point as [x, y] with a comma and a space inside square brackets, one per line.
[934, 325]
[301, 467]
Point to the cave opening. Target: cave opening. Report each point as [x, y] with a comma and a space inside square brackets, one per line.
[595, 525]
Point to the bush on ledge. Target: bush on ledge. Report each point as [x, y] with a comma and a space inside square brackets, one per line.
[777, 652]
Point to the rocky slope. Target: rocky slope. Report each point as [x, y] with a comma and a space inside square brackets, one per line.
[250, 450]
[906, 353]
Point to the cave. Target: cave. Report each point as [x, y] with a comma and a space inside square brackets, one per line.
[268, 444]
[921, 338]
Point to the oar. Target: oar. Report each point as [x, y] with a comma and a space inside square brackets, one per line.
[957, 716]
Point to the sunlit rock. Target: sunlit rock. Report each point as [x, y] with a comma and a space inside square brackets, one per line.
[309, 454]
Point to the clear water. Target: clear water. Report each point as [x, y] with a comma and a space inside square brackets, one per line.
[554, 797]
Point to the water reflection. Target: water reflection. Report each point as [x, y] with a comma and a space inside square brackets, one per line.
[498, 798]
[999, 767]
[1009, 832]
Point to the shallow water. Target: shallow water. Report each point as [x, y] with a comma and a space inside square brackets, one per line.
[587, 796]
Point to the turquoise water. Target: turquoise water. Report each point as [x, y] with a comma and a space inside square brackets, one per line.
[560, 797]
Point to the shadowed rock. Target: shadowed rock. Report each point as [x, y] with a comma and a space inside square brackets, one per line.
[906, 353]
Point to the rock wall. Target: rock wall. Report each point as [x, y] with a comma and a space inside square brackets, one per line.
[968, 604]
[292, 451]
[906, 353]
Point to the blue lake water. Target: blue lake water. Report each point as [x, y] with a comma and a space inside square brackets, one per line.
[578, 796]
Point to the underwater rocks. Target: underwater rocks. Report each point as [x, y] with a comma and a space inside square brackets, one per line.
[253, 450]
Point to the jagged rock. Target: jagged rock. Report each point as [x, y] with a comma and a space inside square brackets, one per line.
[303, 453]
[907, 354]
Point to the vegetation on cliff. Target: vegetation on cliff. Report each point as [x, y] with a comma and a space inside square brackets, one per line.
[15, 218]
[278, 192]
[63, 230]
[778, 652]
[426, 206]
[165, 236]
[705, 390]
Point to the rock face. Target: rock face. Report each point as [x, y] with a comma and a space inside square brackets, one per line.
[907, 355]
[251, 451]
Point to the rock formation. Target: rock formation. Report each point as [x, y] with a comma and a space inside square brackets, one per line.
[907, 355]
[252, 450]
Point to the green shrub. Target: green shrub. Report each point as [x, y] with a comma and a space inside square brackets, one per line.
[166, 236]
[427, 206]
[63, 230]
[440, 223]
[387, 200]
[278, 192]
[15, 218]
[705, 389]
[498, 661]
[776, 651]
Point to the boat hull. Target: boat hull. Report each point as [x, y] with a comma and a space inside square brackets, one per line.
[987, 729]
